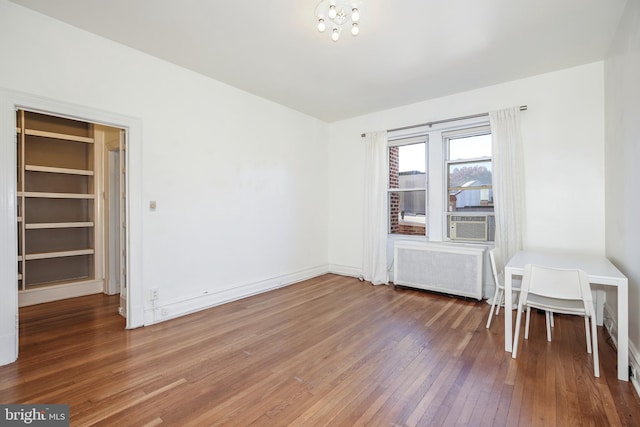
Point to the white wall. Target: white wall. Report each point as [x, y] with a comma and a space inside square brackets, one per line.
[563, 136]
[622, 155]
[240, 182]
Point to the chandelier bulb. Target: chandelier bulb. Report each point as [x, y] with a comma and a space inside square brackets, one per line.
[321, 25]
[354, 29]
[332, 11]
[355, 15]
[335, 35]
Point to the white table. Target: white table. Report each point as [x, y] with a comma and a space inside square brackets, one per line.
[600, 271]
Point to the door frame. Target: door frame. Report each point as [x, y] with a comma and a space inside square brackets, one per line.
[10, 101]
[112, 221]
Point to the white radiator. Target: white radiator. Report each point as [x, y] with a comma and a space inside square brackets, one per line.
[442, 267]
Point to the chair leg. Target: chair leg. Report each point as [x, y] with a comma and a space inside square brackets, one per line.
[493, 307]
[526, 323]
[548, 323]
[552, 322]
[500, 300]
[586, 328]
[596, 358]
[516, 338]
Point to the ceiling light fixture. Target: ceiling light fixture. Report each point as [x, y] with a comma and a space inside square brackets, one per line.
[335, 14]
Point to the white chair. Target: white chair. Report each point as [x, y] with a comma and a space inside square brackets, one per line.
[498, 297]
[558, 291]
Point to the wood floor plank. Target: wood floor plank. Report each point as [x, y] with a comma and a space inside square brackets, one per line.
[330, 351]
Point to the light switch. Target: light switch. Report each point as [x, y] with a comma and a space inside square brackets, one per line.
[152, 205]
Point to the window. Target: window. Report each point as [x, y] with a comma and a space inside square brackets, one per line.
[441, 181]
[407, 186]
[469, 173]
[469, 184]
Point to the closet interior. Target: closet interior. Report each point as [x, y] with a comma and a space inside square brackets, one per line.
[70, 225]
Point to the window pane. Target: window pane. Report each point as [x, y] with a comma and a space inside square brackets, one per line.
[407, 212]
[472, 176]
[407, 166]
[471, 147]
[471, 200]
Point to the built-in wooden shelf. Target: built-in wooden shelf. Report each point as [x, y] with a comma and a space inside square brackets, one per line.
[36, 168]
[60, 254]
[57, 219]
[45, 225]
[54, 135]
[35, 194]
[59, 283]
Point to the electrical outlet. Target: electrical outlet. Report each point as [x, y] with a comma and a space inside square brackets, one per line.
[164, 312]
[154, 294]
[632, 371]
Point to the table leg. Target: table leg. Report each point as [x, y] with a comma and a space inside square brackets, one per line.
[623, 330]
[508, 304]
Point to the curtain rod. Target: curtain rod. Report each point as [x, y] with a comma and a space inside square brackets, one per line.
[473, 116]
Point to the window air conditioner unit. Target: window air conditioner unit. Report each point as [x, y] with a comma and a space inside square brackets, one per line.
[468, 228]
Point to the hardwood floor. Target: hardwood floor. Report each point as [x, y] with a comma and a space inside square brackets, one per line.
[328, 351]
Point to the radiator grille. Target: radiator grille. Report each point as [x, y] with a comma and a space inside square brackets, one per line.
[452, 269]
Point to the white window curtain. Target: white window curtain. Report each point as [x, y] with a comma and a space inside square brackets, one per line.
[508, 183]
[374, 263]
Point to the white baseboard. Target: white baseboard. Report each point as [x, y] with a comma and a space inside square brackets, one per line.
[169, 309]
[345, 270]
[611, 325]
[58, 292]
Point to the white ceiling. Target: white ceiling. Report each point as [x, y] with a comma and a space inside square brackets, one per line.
[407, 50]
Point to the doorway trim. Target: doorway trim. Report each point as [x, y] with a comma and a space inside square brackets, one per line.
[9, 102]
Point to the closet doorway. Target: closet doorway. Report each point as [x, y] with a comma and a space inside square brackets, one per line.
[77, 240]
[71, 208]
